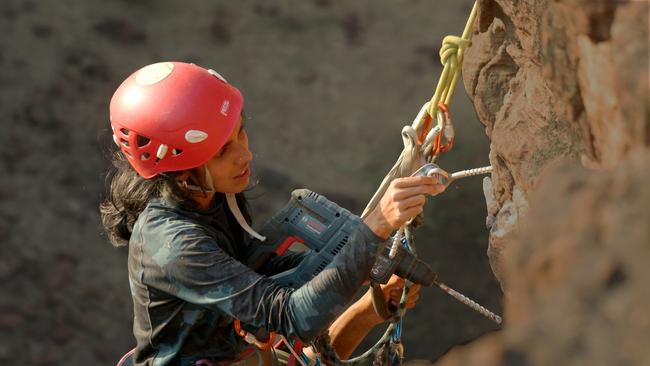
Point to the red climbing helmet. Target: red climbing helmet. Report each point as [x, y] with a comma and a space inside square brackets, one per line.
[172, 116]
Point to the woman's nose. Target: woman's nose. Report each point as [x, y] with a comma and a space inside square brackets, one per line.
[244, 156]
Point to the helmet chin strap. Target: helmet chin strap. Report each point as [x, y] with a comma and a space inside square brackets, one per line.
[234, 208]
[195, 188]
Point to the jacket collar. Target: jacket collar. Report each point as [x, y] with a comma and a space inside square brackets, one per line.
[206, 215]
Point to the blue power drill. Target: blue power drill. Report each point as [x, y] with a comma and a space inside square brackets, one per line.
[324, 228]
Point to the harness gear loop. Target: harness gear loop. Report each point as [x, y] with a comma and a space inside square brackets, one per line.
[251, 339]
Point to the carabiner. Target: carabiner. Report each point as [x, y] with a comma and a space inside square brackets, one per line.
[251, 339]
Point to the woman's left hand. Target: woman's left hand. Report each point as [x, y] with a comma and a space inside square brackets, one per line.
[353, 325]
[393, 294]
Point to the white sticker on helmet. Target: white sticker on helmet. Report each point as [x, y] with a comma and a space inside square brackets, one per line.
[154, 73]
[195, 136]
[217, 75]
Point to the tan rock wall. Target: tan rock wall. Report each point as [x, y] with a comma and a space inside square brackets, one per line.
[562, 88]
[554, 81]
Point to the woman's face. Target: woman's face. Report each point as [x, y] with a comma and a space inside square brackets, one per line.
[229, 167]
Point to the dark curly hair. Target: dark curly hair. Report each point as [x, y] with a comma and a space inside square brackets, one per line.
[128, 194]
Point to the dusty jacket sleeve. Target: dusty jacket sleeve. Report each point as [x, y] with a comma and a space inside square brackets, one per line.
[200, 272]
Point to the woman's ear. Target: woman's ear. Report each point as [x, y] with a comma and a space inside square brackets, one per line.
[197, 176]
[194, 180]
[183, 176]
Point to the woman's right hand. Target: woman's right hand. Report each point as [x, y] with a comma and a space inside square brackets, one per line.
[403, 200]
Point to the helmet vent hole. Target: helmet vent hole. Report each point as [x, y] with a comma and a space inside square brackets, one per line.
[124, 131]
[124, 142]
[142, 141]
[176, 152]
[145, 156]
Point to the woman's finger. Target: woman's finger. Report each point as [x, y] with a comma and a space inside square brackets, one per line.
[406, 182]
[395, 280]
[413, 296]
[415, 289]
[400, 194]
[411, 303]
[413, 201]
[409, 213]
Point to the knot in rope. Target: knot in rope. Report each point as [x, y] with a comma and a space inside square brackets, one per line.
[451, 45]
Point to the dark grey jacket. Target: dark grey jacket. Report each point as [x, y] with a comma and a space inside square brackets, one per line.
[189, 280]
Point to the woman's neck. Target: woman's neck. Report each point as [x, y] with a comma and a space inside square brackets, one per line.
[204, 200]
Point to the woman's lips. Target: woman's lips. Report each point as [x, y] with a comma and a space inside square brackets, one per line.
[244, 174]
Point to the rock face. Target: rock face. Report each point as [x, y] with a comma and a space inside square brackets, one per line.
[562, 89]
[554, 81]
[578, 283]
[577, 290]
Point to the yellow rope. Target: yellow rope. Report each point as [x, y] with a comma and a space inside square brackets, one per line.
[451, 56]
[413, 155]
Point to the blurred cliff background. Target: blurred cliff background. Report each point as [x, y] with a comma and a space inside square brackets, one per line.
[558, 104]
[328, 86]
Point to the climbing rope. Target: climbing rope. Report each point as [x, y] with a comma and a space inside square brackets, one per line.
[452, 54]
[423, 143]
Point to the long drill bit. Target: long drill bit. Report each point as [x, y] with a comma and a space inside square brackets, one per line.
[469, 302]
[470, 172]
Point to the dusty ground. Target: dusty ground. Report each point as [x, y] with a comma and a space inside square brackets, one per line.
[328, 86]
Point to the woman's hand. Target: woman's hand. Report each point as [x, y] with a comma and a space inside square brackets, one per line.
[403, 200]
[353, 325]
[393, 294]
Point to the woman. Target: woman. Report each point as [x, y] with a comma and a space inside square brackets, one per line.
[183, 151]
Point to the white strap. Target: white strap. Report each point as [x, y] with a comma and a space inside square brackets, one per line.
[234, 208]
[293, 352]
